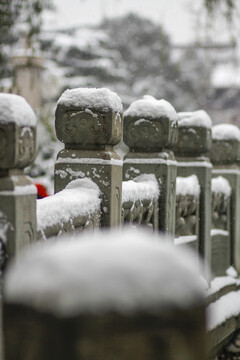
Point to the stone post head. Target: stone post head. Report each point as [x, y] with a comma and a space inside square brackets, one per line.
[194, 133]
[150, 125]
[89, 118]
[225, 144]
[17, 132]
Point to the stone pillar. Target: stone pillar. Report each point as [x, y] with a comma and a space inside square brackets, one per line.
[194, 141]
[17, 193]
[225, 156]
[90, 128]
[27, 79]
[125, 298]
[151, 132]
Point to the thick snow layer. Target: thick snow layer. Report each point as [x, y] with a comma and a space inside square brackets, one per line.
[226, 132]
[123, 271]
[15, 108]
[231, 271]
[219, 282]
[91, 97]
[221, 185]
[141, 187]
[151, 108]
[223, 309]
[80, 197]
[188, 185]
[197, 118]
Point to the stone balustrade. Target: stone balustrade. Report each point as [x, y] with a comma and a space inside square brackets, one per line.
[225, 158]
[187, 211]
[165, 181]
[194, 142]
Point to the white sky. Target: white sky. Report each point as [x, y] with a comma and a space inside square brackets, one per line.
[174, 15]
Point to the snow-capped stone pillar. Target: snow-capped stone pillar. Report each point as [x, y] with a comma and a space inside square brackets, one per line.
[17, 193]
[150, 130]
[132, 298]
[194, 141]
[225, 156]
[89, 122]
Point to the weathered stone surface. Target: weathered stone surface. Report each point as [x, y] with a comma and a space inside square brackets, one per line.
[173, 334]
[163, 166]
[187, 208]
[225, 156]
[17, 193]
[149, 134]
[202, 168]
[225, 151]
[89, 133]
[193, 140]
[88, 127]
[17, 145]
[17, 212]
[104, 168]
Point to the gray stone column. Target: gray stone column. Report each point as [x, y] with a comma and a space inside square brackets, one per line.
[89, 131]
[194, 142]
[27, 79]
[150, 133]
[17, 193]
[225, 156]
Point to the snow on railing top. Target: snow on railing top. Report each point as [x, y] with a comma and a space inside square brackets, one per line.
[15, 108]
[221, 185]
[225, 132]
[91, 98]
[142, 187]
[197, 118]
[123, 271]
[150, 107]
[187, 186]
[80, 197]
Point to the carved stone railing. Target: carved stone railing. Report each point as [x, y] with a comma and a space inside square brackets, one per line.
[140, 201]
[150, 130]
[194, 142]
[220, 233]
[187, 211]
[225, 158]
[17, 193]
[89, 123]
[73, 209]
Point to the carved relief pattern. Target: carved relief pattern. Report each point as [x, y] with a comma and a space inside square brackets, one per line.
[220, 206]
[140, 212]
[145, 132]
[186, 215]
[84, 128]
[3, 143]
[26, 144]
[194, 140]
[28, 232]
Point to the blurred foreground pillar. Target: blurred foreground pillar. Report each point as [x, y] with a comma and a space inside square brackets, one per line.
[125, 298]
